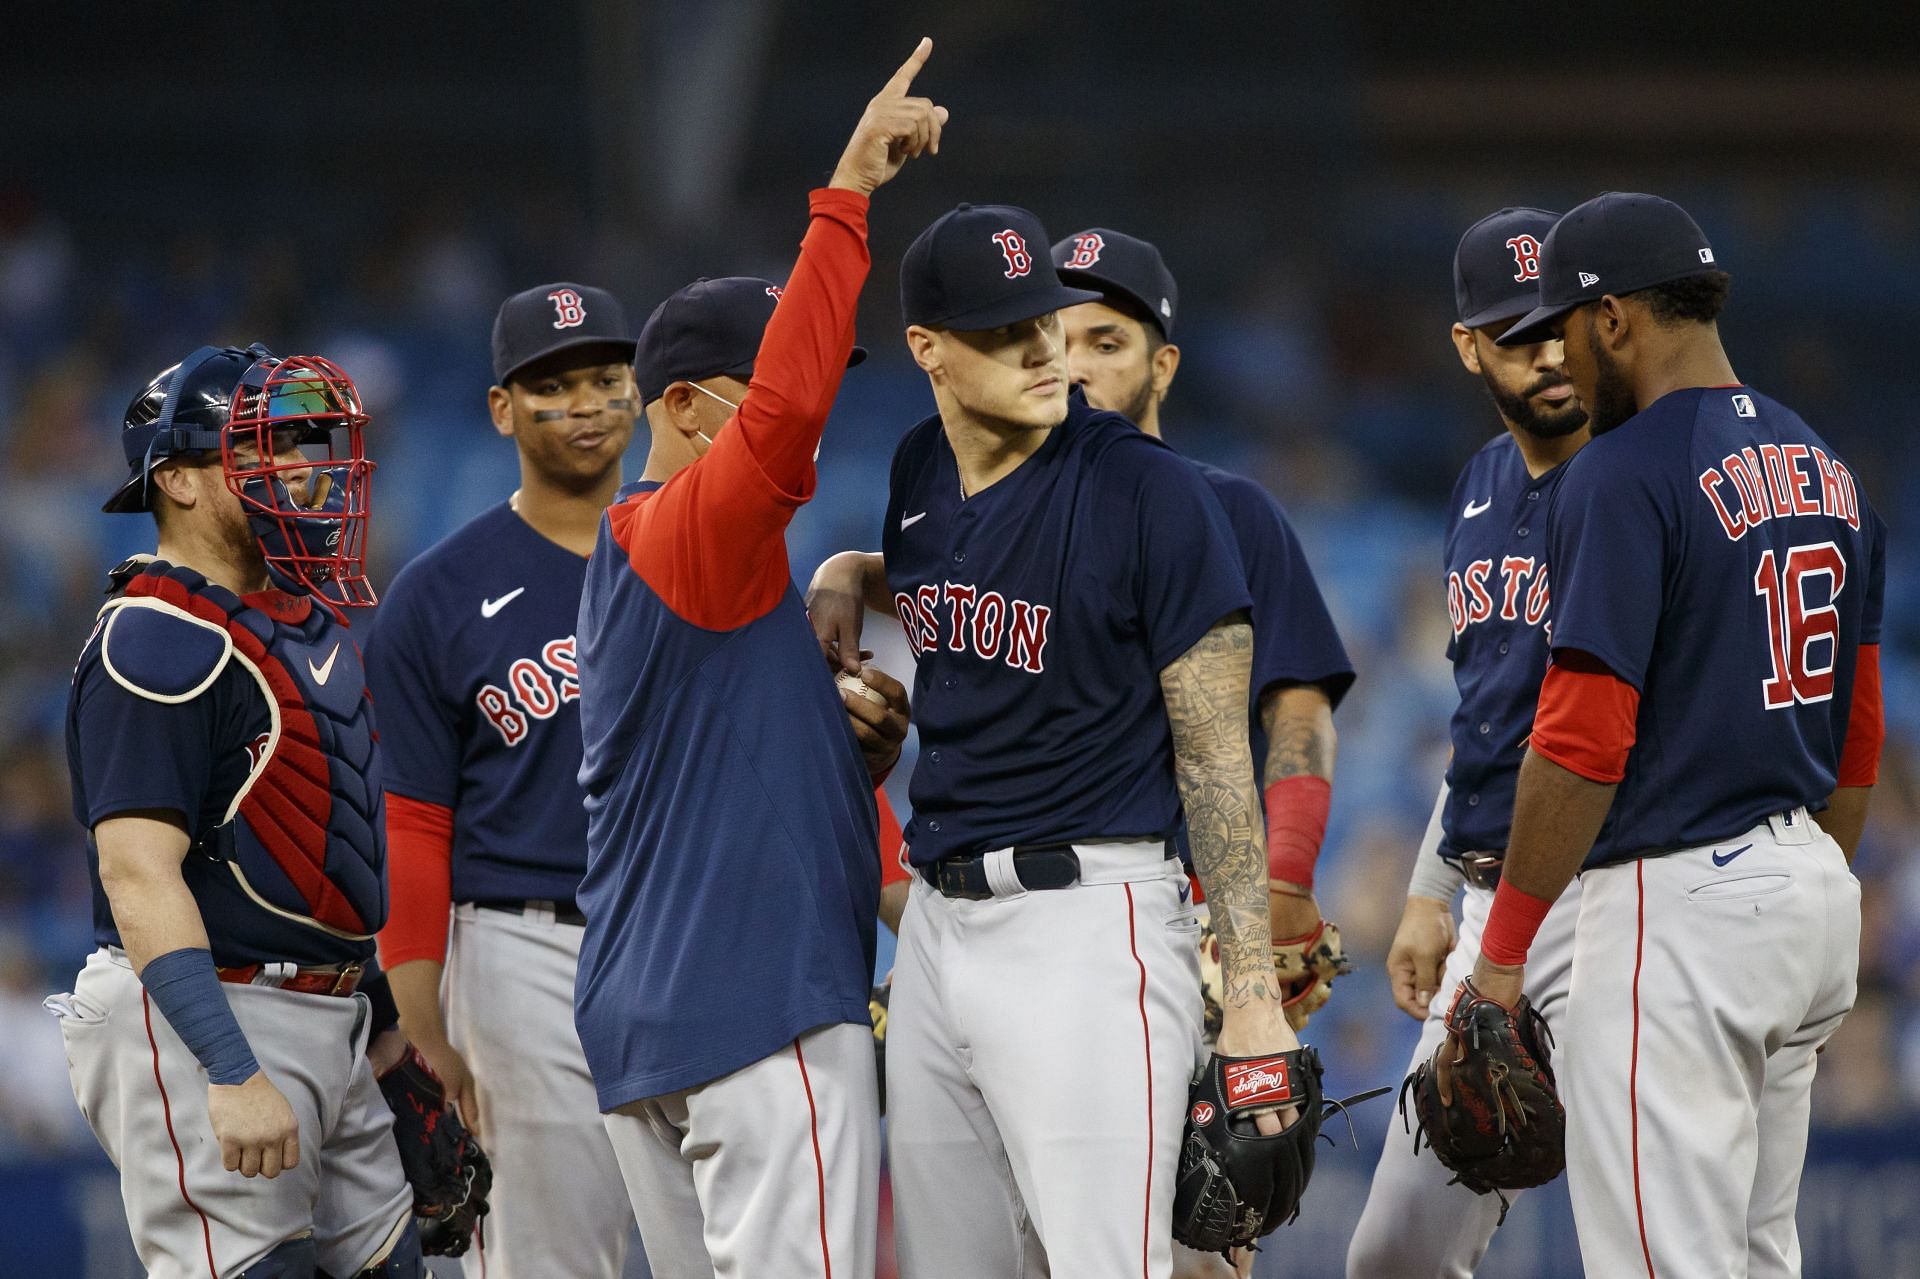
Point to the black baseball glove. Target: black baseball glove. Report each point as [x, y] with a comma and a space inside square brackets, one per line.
[445, 1166]
[1236, 1184]
[1503, 1127]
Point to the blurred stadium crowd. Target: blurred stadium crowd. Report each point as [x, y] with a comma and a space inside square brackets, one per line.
[1333, 384]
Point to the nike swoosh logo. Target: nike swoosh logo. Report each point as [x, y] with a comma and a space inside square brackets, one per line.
[321, 672]
[489, 607]
[908, 521]
[1718, 860]
[1476, 508]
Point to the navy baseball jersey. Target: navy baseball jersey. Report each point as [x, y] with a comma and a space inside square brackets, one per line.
[1040, 613]
[249, 718]
[1294, 640]
[477, 688]
[731, 883]
[1716, 555]
[1497, 608]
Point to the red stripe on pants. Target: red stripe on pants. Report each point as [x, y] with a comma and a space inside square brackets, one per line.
[180, 1161]
[819, 1168]
[1146, 1038]
[1633, 1074]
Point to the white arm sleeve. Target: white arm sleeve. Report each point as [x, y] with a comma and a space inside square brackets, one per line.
[1433, 875]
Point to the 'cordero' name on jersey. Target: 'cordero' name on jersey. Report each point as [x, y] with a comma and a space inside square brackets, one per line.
[1715, 554]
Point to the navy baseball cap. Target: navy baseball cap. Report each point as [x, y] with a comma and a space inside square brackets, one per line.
[1116, 263]
[709, 328]
[975, 268]
[1496, 269]
[555, 317]
[1615, 243]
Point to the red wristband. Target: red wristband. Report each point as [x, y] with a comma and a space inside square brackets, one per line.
[1512, 923]
[1296, 824]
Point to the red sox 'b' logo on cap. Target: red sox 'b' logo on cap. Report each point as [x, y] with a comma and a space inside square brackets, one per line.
[1526, 257]
[1019, 261]
[1086, 251]
[775, 292]
[566, 303]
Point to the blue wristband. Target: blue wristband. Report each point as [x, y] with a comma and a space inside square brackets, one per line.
[187, 990]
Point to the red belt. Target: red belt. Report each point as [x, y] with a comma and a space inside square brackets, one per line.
[341, 980]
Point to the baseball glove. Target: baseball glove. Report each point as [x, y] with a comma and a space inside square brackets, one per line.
[445, 1166]
[1236, 1184]
[1305, 966]
[877, 1010]
[1504, 1127]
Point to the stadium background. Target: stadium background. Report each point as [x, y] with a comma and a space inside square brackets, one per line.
[368, 181]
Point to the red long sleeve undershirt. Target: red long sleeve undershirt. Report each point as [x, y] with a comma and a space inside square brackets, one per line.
[419, 881]
[711, 542]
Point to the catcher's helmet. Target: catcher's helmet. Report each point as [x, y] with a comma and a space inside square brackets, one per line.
[252, 407]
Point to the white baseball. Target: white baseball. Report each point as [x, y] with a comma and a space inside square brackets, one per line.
[854, 684]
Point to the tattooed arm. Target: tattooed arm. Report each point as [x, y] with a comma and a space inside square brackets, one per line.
[1205, 690]
[1298, 719]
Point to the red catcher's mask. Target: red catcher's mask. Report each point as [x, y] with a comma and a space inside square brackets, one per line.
[294, 454]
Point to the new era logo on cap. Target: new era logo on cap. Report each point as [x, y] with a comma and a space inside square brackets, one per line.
[1629, 240]
[1127, 270]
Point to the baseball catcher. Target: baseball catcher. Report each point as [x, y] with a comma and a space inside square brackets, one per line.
[1486, 1103]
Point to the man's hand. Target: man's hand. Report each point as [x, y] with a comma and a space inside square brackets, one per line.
[1418, 955]
[1291, 910]
[1502, 983]
[258, 1135]
[837, 608]
[1257, 1028]
[880, 729]
[894, 129]
[457, 1079]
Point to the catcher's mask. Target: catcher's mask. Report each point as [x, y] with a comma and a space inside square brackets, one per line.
[256, 409]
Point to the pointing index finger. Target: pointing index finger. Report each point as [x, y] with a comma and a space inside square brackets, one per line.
[903, 78]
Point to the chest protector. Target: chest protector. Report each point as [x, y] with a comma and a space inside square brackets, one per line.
[302, 835]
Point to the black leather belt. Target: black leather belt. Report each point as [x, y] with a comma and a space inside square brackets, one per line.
[1038, 867]
[1482, 869]
[565, 911]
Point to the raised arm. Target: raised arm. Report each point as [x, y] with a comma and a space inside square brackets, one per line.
[712, 540]
[1205, 691]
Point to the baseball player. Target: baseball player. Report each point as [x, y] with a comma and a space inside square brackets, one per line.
[1078, 615]
[225, 765]
[731, 879]
[1703, 750]
[1120, 352]
[473, 668]
[1418, 1224]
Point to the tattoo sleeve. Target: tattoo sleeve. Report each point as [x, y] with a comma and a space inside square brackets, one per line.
[1205, 690]
[1300, 735]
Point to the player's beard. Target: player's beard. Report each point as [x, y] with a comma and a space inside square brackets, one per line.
[1519, 409]
[1613, 401]
[1136, 405]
